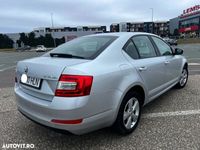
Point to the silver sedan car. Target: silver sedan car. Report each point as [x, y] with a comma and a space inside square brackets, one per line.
[98, 81]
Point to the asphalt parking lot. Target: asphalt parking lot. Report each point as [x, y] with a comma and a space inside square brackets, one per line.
[8, 63]
[170, 122]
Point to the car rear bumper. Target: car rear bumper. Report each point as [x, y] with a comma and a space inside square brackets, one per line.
[43, 112]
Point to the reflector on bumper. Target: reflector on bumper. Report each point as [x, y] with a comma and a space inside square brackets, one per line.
[77, 121]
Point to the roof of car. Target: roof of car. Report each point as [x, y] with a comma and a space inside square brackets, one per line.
[122, 34]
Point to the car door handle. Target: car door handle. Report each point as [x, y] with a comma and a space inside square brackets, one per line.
[167, 62]
[143, 68]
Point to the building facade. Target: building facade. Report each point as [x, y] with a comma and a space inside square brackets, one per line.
[68, 33]
[114, 27]
[187, 24]
[174, 26]
[47, 30]
[160, 28]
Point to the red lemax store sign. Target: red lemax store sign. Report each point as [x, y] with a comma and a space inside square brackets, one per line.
[191, 28]
[190, 11]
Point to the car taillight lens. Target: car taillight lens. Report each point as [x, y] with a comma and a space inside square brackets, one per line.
[74, 85]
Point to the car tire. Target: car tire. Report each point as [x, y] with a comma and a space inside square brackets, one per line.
[183, 79]
[130, 106]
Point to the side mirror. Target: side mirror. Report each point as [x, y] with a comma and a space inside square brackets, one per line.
[177, 51]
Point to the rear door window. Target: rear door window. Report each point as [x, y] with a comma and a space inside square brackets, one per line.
[131, 50]
[144, 46]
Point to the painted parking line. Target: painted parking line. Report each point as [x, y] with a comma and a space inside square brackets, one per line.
[4, 69]
[171, 114]
[194, 64]
[194, 70]
[152, 115]
[5, 111]
[193, 58]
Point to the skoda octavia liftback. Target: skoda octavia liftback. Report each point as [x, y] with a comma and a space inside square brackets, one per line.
[98, 81]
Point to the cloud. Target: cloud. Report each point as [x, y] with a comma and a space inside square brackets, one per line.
[24, 15]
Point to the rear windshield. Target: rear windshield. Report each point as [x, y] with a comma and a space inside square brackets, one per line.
[86, 47]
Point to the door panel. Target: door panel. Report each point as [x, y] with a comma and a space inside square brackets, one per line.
[148, 65]
[173, 68]
[172, 63]
[152, 73]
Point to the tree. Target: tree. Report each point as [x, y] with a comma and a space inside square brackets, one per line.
[40, 40]
[48, 42]
[5, 41]
[24, 38]
[19, 43]
[31, 39]
[60, 41]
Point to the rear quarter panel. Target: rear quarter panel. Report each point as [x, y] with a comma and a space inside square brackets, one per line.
[112, 75]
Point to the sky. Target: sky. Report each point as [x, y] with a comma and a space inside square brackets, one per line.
[25, 15]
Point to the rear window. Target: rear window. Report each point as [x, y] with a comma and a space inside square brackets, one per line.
[87, 47]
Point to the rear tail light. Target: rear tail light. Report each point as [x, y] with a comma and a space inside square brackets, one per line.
[74, 85]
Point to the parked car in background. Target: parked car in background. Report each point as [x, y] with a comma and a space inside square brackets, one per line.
[19, 49]
[27, 47]
[170, 41]
[41, 48]
[98, 81]
[24, 48]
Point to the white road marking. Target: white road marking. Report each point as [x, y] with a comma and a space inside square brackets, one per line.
[193, 58]
[1, 70]
[194, 64]
[4, 111]
[169, 114]
[193, 70]
[153, 115]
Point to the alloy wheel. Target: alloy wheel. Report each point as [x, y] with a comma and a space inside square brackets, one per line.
[184, 77]
[131, 113]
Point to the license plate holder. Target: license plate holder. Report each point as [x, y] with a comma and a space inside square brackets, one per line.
[33, 82]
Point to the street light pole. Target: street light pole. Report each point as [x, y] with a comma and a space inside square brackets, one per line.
[151, 14]
[152, 18]
[52, 25]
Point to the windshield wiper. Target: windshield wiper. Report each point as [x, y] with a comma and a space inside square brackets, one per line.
[65, 55]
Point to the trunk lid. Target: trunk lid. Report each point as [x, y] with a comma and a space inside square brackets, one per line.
[48, 69]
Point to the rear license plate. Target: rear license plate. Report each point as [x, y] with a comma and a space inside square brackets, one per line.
[32, 82]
